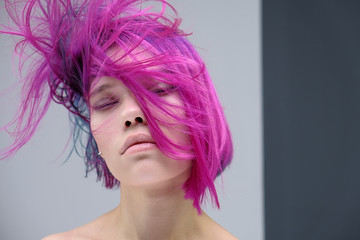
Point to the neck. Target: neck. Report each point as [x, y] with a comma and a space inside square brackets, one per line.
[157, 212]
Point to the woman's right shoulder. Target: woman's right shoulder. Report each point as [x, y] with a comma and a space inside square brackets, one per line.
[89, 231]
[84, 232]
[58, 236]
[71, 235]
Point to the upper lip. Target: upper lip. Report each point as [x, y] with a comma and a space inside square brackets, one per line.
[136, 139]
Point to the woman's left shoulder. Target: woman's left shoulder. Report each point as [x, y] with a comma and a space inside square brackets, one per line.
[223, 234]
[215, 231]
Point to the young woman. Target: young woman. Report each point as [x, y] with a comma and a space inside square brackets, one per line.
[140, 92]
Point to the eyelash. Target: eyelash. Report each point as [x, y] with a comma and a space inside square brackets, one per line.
[105, 103]
[163, 91]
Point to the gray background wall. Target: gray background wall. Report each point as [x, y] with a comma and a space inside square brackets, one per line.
[311, 119]
[40, 195]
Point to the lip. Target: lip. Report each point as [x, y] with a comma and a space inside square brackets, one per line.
[137, 139]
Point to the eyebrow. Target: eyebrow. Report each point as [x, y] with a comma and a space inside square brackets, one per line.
[100, 89]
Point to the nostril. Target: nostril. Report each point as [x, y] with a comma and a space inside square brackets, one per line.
[139, 119]
[127, 123]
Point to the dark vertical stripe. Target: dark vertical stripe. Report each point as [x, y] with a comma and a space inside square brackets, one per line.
[311, 84]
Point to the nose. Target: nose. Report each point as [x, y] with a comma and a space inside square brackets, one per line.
[132, 112]
[137, 120]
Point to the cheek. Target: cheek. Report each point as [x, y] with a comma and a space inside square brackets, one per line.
[108, 142]
[97, 132]
[105, 133]
[176, 131]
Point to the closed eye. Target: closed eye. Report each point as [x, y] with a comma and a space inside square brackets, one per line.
[162, 90]
[105, 103]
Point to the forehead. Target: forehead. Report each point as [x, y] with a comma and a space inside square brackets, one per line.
[104, 83]
[142, 58]
[130, 54]
[120, 58]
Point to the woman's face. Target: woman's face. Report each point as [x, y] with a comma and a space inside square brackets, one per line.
[122, 135]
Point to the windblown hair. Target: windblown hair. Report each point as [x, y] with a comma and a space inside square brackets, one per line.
[70, 42]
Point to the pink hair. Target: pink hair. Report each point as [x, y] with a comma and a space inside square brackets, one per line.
[71, 39]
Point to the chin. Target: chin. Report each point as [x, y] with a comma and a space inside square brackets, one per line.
[155, 179]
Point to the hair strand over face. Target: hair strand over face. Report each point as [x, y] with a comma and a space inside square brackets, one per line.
[70, 42]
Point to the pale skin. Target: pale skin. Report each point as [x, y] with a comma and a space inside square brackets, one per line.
[152, 205]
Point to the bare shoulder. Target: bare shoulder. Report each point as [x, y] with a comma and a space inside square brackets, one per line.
[216, 231]
[80, 233]
[229, 236]
[223, 234]
[74, 234]
[58, 236]
[89, 231]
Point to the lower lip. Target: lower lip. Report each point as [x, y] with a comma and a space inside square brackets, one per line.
[140, 147]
